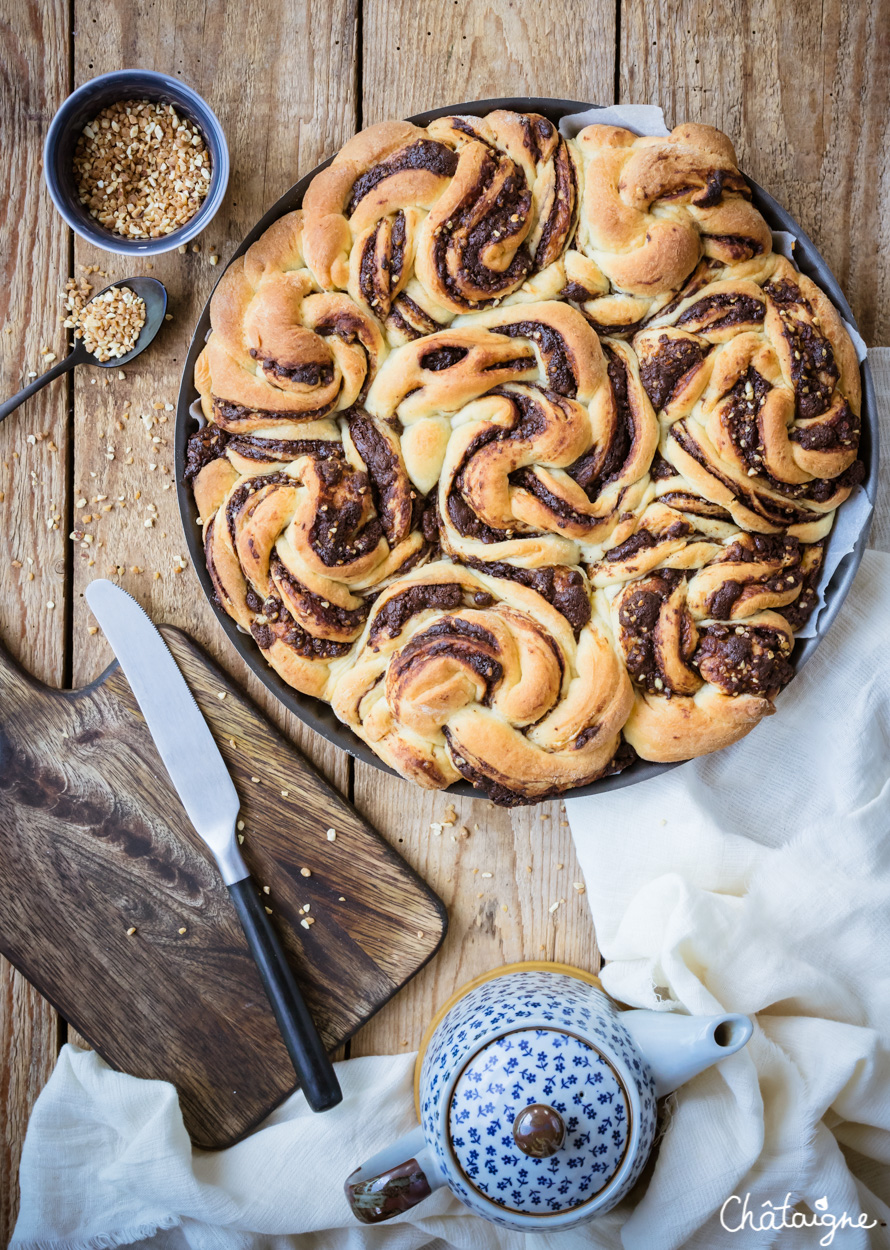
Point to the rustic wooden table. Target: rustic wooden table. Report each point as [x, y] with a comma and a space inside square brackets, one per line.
[803, 90]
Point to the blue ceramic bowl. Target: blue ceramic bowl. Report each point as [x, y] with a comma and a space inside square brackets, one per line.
[82, 106]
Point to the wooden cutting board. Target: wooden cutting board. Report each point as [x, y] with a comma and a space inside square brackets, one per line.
[94, 841]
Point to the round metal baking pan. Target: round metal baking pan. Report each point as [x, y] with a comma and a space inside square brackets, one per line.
[319, 715]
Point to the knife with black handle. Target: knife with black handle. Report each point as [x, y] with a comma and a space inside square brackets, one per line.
[202, 781]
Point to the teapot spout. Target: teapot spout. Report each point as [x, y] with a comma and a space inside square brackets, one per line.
[678, 1047]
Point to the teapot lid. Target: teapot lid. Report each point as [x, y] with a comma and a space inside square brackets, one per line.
[539, 1121]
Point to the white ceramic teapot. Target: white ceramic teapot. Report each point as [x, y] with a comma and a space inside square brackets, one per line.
[536, 1099]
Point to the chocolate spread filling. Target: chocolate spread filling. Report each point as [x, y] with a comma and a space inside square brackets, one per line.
[740, 417]
[336, 536]
[281, 627]
[252, 447]
[643, 539]
[557, 360]
[327, 615]
[798, 612]
[575, 293]
[443, 357]
[390, 619]
[503, 220]
[599, 466]
[560, 509]
[225, 411]
[695, 504]
[246, 490]
[379, 275]
[662, 372]
[638, 616]
[423, 154]
[560, 222]
[720, 311]
[501, 790]
[466, 641]
[778, 549]
[767, 508]
[528, 424]
[412, 317]
[739, 246]
[743, 659]
[660, 469]
[205, 445]
[389, 485]
[561, 586]
[814, 370]
[841, 430]
[313, 373]
[519, 364]
[720, 180]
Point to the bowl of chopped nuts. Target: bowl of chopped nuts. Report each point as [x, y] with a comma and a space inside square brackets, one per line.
[136, 162]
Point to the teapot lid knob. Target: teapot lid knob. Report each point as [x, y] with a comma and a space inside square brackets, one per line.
[539, 1131]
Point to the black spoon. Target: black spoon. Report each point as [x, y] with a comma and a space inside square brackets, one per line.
[154, 296]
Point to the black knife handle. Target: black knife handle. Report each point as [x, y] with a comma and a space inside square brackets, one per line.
[318, 1080]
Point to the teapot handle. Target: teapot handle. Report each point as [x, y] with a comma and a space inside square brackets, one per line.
[393, 1180]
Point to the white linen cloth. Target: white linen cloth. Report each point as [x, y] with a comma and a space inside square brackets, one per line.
[755, 880]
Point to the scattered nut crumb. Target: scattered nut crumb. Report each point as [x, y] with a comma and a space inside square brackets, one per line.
[131, 930]
[304, 872]
[331, 835]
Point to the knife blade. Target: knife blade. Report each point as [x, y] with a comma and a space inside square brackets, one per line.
[201, 779]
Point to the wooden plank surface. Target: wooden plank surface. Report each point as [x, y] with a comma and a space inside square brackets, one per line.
[113, 906]
[803, 92]
[278, 124]
[33, 479]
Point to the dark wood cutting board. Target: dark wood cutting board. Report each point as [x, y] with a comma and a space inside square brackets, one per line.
[94, 841]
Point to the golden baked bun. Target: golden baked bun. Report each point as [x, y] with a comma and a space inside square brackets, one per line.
[651, 208]
[460, 674]
[419, 225]
[523, 452]
[281, 351]
[699, 685]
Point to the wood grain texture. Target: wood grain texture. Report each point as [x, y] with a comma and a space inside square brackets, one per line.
[279, 123]
[34, 42]
[498, 873]
[417, 56]
[804, 93]
[420, 55]
[96, 845]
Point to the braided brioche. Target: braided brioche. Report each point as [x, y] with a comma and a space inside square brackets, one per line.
[522, 452]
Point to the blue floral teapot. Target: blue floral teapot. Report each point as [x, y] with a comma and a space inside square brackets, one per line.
[536, 1099]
